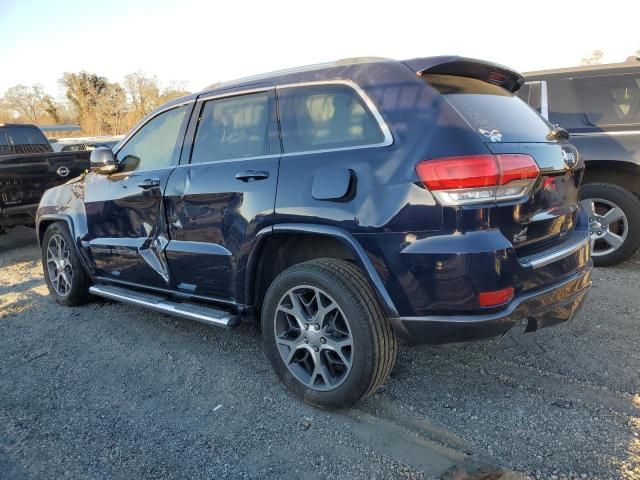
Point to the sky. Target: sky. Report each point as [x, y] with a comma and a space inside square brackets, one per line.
[200, 42]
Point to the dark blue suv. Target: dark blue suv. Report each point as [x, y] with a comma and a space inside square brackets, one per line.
[344, 205]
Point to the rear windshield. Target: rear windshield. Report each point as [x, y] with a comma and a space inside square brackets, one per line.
[27, 140]
[492, 111]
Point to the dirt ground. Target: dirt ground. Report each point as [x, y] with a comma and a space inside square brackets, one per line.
[112, 391]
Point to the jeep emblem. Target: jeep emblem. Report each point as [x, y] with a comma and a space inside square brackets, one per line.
[570, 158]
[63, 171]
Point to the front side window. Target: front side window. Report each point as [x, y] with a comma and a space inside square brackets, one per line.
[233, 127]
[610, 100]
[157, 144]
[318, 117]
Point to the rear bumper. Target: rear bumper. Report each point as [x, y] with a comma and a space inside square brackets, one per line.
[541, 308]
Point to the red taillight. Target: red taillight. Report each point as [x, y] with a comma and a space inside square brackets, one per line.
[496, 297]
[478, 178]
[517, 167]
[459, 172]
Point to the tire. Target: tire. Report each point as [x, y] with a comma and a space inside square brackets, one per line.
[602, 198]
[71, 289]
[352, 314]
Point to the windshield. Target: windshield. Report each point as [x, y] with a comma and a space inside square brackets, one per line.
[27, 139]
[492, 111]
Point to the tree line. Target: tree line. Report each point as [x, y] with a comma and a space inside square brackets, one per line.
[595, 57]
[91, 101]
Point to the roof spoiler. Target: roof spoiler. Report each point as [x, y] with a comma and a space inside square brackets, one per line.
[468, 67]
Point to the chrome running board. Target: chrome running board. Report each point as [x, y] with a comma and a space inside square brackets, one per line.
[157, 303]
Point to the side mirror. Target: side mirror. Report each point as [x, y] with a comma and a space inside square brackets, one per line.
[103, 161]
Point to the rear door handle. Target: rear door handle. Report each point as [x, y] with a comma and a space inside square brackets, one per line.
[250, 175]
[149, 183]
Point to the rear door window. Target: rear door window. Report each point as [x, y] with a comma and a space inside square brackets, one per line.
[493, 112]
[610, 100]
[324, 117]
[234, 127]
[27, 140]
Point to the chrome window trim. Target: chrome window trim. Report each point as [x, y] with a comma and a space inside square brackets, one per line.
[136, 172]
[283, 155]
[619, 132]
[384, 128]
[387, 140]
[235, 93]
[126, 139]
[544, 100]
[230, 160]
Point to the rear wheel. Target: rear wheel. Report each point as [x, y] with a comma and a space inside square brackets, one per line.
[614, 222]
[66, 278]
[325, 333]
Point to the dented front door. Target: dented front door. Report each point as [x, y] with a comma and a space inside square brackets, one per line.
[127, 231]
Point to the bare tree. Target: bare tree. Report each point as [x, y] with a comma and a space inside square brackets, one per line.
[52, 108]
[144, 93]
[174, 90]
[26, 101]
[111, 108]
[594, 59]
[6, 114]
[98, 105]
[83, 90]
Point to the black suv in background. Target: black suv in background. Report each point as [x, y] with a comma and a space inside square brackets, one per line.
[600, 106]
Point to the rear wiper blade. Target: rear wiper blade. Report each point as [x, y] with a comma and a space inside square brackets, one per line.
[558, 133]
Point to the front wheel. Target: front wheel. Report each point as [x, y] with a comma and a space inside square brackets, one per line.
[325, 333]
[66, 278]
[614, 222]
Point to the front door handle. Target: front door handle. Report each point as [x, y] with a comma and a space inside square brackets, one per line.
[149, 183]
[251, 175]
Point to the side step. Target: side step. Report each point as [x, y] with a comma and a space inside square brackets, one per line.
[197, 312]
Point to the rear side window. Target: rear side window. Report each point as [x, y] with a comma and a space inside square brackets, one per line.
[610, 100]
[234, 127]
[321, 117]
[493, 112]
[27, 140]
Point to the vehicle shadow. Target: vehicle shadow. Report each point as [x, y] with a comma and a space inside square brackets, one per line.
[19, 244]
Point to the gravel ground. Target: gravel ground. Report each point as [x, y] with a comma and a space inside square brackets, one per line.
[112, 391]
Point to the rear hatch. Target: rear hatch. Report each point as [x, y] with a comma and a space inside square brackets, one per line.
[547, 213]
